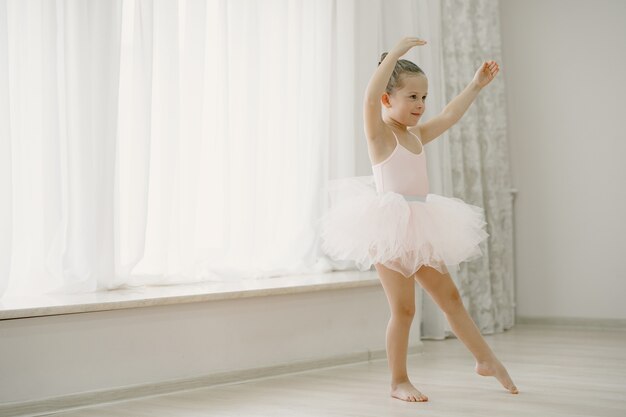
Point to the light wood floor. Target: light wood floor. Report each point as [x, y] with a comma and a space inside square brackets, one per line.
[560, 371]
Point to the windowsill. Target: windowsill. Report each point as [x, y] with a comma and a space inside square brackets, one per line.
[54, 304]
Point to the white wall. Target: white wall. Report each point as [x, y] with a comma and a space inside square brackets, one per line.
[56, 356]
[564, 64]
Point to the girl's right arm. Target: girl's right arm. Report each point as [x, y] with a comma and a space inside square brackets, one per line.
[377, 85]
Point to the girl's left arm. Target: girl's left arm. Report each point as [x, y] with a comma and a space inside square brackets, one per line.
[454, 110]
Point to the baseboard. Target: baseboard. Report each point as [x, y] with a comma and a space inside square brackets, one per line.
[574, 322]
[87, 399]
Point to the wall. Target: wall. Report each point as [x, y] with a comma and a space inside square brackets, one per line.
[56, 356]
[564, 63]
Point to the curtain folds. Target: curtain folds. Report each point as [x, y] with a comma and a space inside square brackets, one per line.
[62, 76]
[167, 142]
[479, 159]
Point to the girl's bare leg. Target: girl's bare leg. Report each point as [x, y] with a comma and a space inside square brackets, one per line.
[400, 292]
[444, 292]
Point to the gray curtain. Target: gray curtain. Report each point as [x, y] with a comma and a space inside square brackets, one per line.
[479, 158]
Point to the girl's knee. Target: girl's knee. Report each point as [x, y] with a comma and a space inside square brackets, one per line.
[404, 312]
[452, 301]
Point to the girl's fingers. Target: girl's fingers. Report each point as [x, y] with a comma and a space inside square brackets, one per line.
[493, 68]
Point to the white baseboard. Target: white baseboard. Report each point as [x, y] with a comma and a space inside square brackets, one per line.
[574, 322]
[87, 399]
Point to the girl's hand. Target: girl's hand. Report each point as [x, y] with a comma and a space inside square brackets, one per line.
[405, 45]
[486, 73]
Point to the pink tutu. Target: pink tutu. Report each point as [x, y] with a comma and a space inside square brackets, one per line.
[368, 227]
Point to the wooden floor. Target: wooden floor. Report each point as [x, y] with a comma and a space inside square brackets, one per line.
[560, 371]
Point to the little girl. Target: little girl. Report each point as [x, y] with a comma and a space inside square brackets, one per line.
[407, 233]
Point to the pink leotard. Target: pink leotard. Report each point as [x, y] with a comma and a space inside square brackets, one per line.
[403, 172]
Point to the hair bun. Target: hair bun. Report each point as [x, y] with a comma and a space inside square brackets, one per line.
[382, 57]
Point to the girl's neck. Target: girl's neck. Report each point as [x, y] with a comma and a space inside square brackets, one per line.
[394, 124]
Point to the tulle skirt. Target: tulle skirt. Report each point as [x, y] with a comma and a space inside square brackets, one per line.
[401, 232]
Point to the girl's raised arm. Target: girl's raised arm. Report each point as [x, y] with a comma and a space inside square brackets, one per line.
[378, 84]
[454, 110]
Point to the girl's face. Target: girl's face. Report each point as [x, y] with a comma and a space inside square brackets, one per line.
[407, 104]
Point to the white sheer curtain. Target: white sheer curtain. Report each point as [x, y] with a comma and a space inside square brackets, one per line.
[60, 78]
[150, 142]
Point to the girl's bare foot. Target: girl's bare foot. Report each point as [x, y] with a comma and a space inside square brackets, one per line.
[495, 368]
[407, 392]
